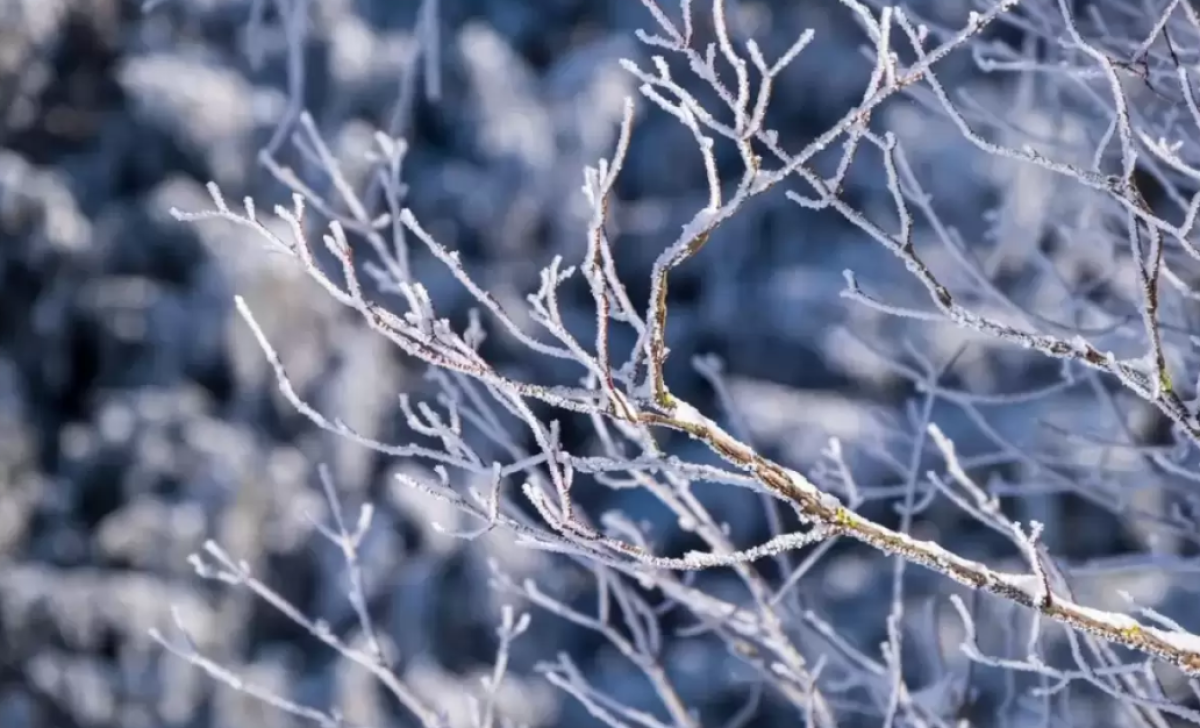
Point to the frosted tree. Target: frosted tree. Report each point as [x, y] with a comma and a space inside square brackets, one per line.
[1100, 283]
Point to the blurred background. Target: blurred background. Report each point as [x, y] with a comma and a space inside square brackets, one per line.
[138, 417]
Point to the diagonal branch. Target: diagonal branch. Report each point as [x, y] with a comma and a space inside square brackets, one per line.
[1029, 590]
